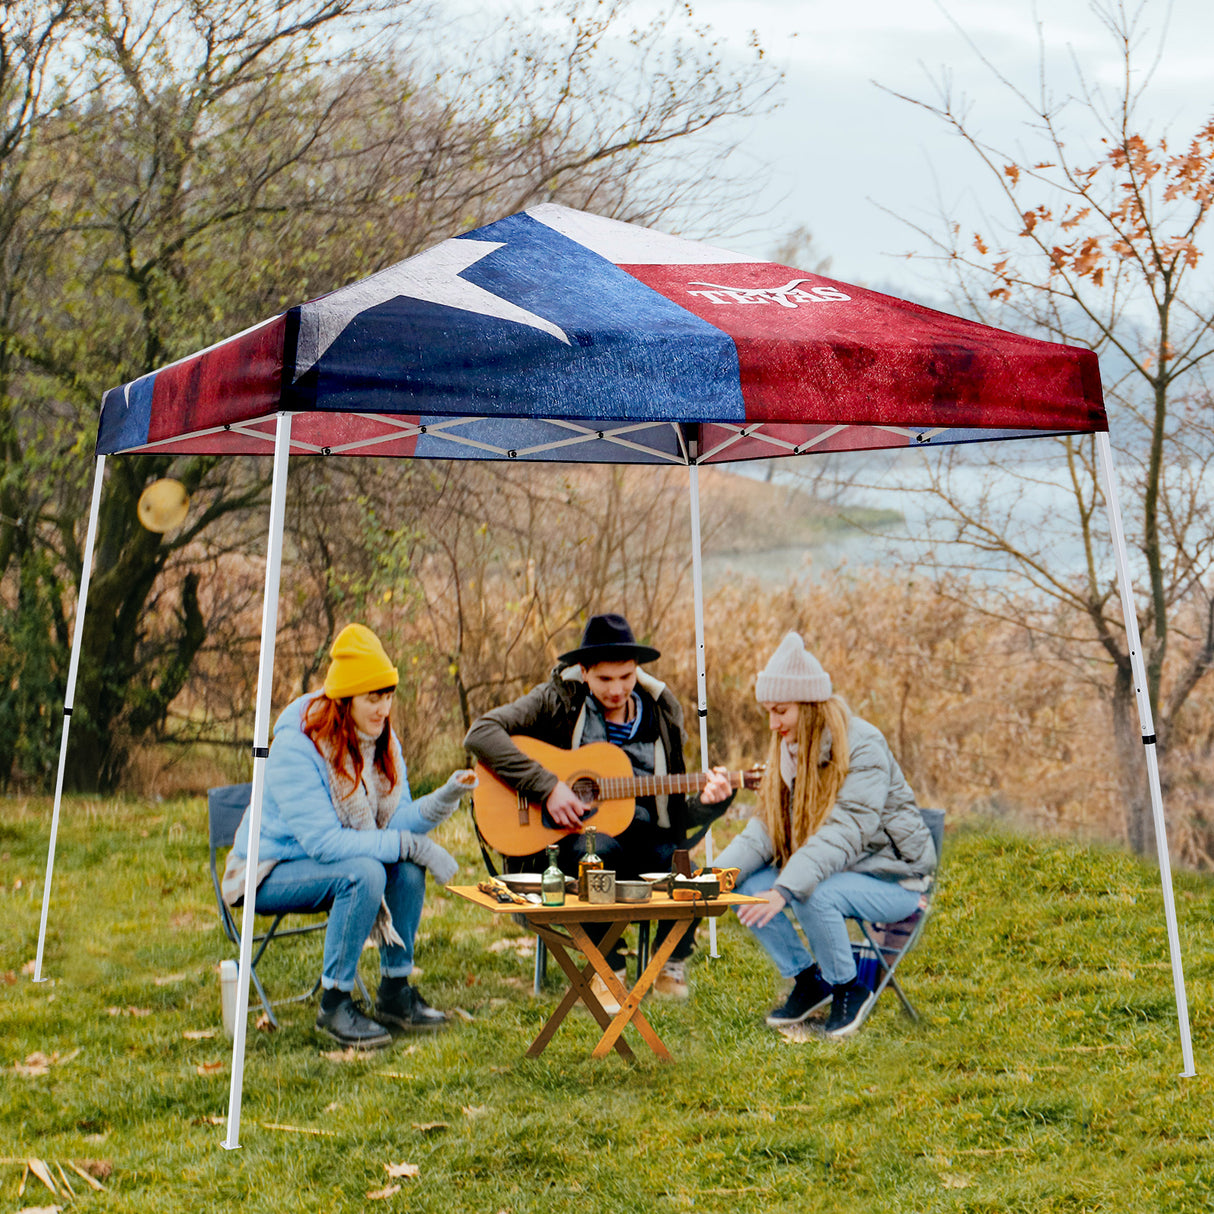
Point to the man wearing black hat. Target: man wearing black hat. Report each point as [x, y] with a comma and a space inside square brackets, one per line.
[598, 693]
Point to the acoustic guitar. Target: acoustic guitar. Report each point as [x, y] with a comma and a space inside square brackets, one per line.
[601, 776]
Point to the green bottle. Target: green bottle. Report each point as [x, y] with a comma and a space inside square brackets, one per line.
[552, 884]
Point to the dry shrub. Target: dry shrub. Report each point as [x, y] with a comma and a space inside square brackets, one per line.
[984, 715]
[980, 720]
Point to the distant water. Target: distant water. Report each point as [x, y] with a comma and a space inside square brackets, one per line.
[1039, 510]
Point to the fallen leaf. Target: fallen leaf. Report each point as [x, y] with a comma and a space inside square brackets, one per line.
[332, 1107]
[296, 1129]
[39, 1169]
[265, 1024]
[210, 1119]
[395, 1075]
[9, 978]
[40, 1210]
[129, 1011]
[93, 1170]
[475, 1110]
[168, 979]
[462, 1014]
[199, 1034]
[209, 1068]
[959, 1180]
[36, 1063]
[29, 967]
[523, 945]
[406, 1170]
[427, 1127]
[795, 1034]
[380, 1194]
[349, 1054]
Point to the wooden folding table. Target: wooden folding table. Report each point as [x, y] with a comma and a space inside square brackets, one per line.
[563, 928]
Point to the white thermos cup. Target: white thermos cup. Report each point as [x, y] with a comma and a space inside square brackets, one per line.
[229, 974]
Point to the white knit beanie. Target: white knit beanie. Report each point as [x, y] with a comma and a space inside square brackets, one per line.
[792, 675]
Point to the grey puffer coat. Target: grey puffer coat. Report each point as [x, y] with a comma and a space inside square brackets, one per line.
[874, 828]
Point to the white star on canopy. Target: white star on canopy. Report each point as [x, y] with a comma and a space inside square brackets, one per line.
[432, 276]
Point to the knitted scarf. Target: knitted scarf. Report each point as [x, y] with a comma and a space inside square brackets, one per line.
[369, 805]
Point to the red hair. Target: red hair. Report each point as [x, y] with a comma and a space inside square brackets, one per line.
[330, 725]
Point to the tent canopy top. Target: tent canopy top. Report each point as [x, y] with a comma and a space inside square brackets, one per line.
[558, 335]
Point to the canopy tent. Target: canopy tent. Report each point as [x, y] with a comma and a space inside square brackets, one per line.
[558, 335]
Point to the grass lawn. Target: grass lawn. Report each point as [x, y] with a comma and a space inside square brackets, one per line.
[1043, 1077]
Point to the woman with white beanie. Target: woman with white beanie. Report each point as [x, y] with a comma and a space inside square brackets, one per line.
[836, 834]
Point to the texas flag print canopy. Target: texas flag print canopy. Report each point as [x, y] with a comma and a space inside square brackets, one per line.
[555, 334]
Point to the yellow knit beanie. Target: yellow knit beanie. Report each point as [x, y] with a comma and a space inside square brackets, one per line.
[359, 664]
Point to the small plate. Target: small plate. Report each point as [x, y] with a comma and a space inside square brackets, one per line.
[653, 878]
[522, 882]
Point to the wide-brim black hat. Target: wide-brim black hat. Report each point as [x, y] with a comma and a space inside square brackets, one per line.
[608, 638]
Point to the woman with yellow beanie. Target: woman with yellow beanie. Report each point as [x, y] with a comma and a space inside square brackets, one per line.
[339, 826]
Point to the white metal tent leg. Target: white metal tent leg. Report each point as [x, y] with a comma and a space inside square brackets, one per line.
[261, 749]
[69, 700]
[697, 582]
[1134, 641]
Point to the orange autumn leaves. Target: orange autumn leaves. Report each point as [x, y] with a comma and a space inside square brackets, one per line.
[1140, 204]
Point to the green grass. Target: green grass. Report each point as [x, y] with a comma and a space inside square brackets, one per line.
[1044, 1076]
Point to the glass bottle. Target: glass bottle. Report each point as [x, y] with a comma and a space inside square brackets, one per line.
[552, 884]
[589, 861]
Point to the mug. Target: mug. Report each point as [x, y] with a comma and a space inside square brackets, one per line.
[600, 886]
[728, 877]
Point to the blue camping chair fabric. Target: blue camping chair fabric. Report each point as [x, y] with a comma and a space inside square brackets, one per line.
[884, 945]
[225, 808]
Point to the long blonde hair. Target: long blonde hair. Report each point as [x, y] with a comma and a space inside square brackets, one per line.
[790, 820]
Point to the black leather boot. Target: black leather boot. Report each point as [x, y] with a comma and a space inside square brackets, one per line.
[399, 1004]
[348, 1026]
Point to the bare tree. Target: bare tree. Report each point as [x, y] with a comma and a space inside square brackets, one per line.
[1096, 239]
[227, 158]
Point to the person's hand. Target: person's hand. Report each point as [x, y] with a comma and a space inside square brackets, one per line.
[760, 914]
[717, 788]
[565, 807]
[430, 855]
[466, 777]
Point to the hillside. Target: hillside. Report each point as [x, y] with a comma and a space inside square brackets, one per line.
[743, 514]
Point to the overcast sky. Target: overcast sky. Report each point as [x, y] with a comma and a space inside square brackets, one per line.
[840, 149]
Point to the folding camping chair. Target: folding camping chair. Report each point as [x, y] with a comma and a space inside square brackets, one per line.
[886, 944]
[225, 808]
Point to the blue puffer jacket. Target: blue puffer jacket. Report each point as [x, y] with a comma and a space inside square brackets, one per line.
[297, 814]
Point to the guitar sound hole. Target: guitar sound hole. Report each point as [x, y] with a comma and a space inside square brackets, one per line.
[586, 790]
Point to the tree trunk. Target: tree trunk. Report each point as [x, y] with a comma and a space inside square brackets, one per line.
[1131, 770]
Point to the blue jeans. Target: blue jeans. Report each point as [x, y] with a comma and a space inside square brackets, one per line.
[823, 918]
[355, 888]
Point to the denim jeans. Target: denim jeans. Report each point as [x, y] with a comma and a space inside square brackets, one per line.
[355, 888]
[823, 918]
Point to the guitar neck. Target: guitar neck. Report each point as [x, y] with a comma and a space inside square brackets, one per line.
[612, 788]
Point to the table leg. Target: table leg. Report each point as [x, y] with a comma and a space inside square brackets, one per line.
[630, 1005]
[579, 982]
